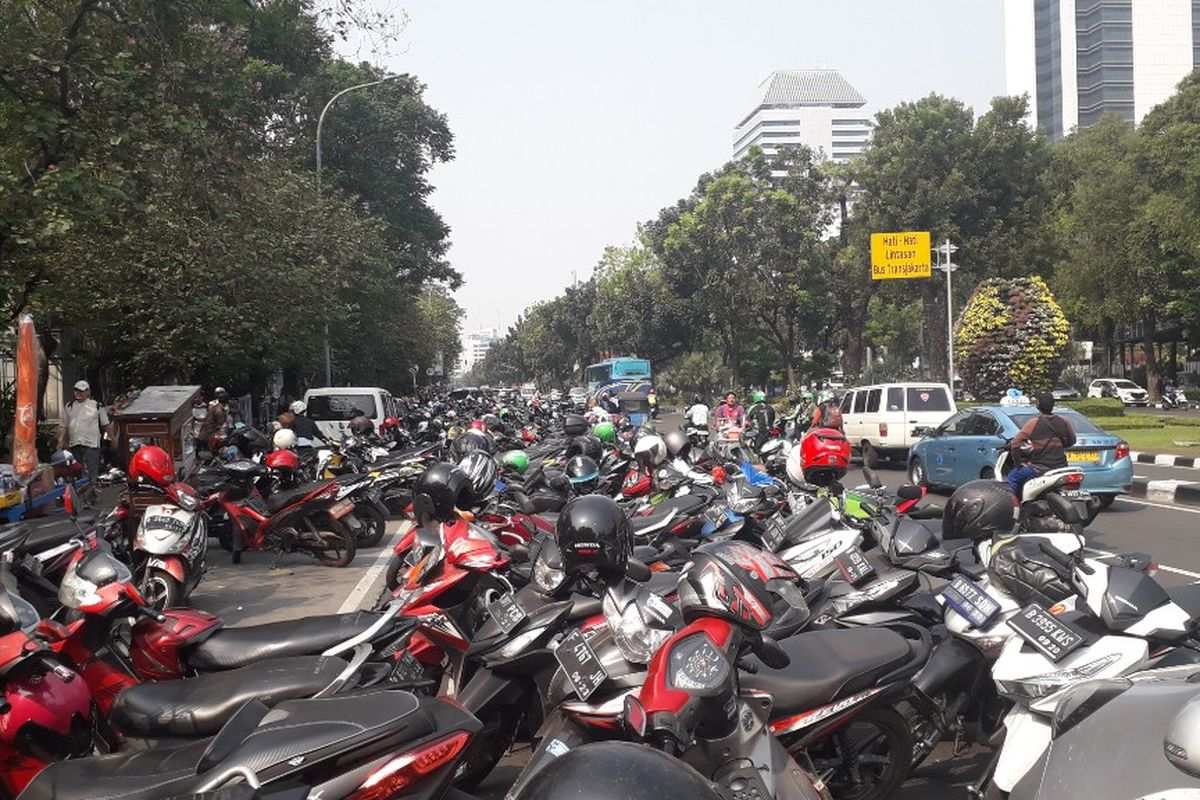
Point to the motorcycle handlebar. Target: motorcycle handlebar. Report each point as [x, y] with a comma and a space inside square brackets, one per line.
[1065, 560]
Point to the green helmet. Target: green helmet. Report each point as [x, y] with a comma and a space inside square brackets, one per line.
[806, 395]
[516, 459]
[605, 432]
[759, 396]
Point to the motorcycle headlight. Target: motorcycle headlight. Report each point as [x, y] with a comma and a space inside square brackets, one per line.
[696, 664]
[186, 502]
[1038, 686]
[547, 578]
[76, 592]
[637, 641]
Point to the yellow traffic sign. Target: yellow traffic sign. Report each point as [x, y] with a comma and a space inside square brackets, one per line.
[905, 254]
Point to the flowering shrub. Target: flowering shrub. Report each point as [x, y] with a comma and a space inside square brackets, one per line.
[1011, 333]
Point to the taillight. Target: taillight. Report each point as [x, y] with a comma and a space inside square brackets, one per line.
[1122, 450]
[882, 429]
[402, 772]
[1074, 479]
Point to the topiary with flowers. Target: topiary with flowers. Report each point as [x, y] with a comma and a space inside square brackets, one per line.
[1012, 332]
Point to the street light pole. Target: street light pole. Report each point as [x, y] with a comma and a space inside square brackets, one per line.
[320, 125]
[947, 250]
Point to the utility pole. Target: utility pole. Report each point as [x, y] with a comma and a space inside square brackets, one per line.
[320, 125]
[944, 252]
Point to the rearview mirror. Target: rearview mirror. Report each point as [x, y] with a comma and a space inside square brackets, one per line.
[637, 570]
[921, 431]
[872, 478]
[771, 653]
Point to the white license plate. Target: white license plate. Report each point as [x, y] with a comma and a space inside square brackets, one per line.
[341, 508]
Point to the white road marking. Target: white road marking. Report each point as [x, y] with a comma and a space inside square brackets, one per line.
[365, 584]
[1167, 506]
[1109, 554]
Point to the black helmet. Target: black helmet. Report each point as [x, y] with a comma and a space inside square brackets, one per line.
[492, 422]
[361, 426]
[575, 425]
[586, 445]
[482, 470]
[979, 510]
[471, 441]
[583, 474]
[593, 534]
[448, 487]
[646, 774]
[729, 580]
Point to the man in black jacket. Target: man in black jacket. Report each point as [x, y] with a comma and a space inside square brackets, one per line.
[1049, 435]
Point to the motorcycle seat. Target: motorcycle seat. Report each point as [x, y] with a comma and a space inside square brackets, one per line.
[229, 648]
[199, 706]
[27, 537]
[285, 497]
[684, 504]
[1186, 597]
[827, 666]
[638, 524]
[307, 730]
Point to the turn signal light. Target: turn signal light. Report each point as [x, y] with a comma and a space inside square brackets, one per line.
[404, 771]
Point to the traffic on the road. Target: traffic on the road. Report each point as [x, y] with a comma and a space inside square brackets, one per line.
[519, 594]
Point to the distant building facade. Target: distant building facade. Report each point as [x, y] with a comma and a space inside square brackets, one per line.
[476, 345]
[814, 107]
[1081, 59]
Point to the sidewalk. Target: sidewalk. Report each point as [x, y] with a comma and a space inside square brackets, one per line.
[1166, 460]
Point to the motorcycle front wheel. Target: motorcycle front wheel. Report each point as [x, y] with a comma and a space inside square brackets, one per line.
[337, 546]
[374, 524]
[866, 759]
[161, 590]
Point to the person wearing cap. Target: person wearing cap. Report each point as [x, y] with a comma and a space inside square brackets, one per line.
[307, 433]
[1048, 436]
[82, 431]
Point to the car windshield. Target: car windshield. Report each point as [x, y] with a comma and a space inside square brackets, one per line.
[1078, 421]
[932, 398]
[1126, 385]
[340, 407]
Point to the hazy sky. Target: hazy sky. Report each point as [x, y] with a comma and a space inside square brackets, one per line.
[575, 121]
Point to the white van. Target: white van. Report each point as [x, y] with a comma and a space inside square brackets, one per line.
[881, 421]
[332, 407]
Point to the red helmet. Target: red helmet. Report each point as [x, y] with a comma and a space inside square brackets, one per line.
[477, 425]
[283, 459]
[824, 456]
[153, 464]
[388, 423]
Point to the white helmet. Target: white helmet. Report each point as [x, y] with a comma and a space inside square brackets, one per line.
[651, 450]
[677, 443]
[284, 439]
[795, 469]
[297, 407]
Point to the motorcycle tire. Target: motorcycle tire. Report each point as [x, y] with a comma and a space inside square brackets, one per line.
[161, 589]
[881, 731]
[487, 747]
[392, 575]
[340, 545]
[374, 525]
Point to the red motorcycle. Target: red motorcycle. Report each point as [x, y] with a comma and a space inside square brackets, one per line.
[308, 518]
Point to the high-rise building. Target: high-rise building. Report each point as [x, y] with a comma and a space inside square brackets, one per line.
[1081, 59]
[476, 345]
[814, 107]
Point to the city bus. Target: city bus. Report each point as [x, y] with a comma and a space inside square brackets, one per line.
[621, 374]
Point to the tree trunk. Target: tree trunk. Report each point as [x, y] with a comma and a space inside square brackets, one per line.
[856, 322]
[934, 358]
[1153, 373]
[1107, 327]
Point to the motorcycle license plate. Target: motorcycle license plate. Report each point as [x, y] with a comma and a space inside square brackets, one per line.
[854, 566]
[506, 612]
[773, 535]
[969, 599]
[1052, 637]
[579, 661]
[341, 508]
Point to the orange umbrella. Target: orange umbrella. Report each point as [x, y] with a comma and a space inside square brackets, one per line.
[25, 457]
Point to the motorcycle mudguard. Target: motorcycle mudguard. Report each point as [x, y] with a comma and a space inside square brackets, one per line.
[172, 565]
[1026, 737]
[952, 667]
[559, 736]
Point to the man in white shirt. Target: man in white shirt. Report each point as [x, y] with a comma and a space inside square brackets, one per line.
[83, 427]
[698, 413]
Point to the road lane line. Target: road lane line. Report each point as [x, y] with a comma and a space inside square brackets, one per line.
[1163, 567]
[1167, 506]
[355, 598]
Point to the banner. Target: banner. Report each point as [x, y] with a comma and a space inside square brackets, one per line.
[25, 457]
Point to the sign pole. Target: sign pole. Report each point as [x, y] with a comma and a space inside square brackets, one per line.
[947, 250]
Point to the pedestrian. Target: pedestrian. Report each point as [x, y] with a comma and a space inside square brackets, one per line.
[730, 411]
[1048, 435]
[84, 424]
[221, 415]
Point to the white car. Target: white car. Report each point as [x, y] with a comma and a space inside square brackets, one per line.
[1124, 390]
[883, 421]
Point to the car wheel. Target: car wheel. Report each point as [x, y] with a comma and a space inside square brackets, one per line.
[916, 473]
[988, 474]
[1106, 500]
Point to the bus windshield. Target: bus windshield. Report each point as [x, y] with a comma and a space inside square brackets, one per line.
[626, 374]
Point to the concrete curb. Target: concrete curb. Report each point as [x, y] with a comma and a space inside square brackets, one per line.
[1185, 493]
[1166, 460]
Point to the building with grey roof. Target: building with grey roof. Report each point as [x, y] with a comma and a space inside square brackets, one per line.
[814, 107]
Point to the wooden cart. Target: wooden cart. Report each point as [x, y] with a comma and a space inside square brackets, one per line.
[161, 415]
